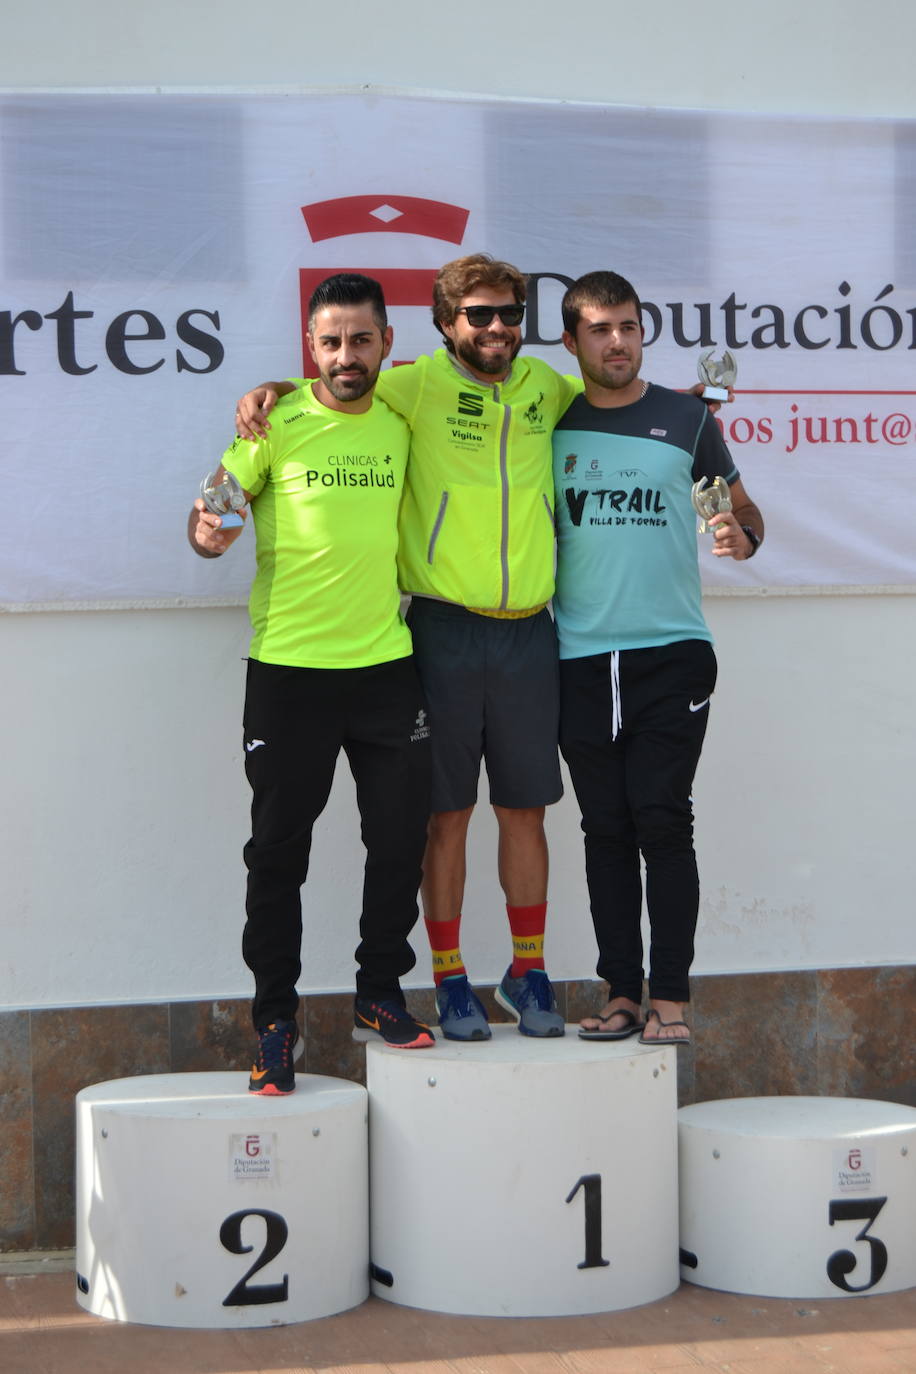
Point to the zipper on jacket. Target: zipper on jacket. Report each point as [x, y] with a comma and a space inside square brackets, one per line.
[437, 526]
[504, 479]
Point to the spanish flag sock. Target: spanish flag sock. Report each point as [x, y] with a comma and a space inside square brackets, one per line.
[527, 926]
[443, 941]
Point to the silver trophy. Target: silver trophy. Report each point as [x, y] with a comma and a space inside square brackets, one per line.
[710, 500]
[224, 500]
[717, 375]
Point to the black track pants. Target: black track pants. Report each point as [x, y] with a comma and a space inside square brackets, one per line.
[634, 792]
[296, 722]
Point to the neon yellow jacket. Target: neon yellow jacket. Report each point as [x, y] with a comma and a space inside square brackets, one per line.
[476, 524]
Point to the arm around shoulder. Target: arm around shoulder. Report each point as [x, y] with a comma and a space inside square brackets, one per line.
[253, 408]
[401, 387]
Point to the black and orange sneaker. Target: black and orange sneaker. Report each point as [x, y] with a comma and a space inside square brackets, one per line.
[279, 1046]
[391, 1022]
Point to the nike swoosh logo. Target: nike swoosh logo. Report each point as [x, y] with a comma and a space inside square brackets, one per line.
[254, 744]
[373, 1025]
[698, 705]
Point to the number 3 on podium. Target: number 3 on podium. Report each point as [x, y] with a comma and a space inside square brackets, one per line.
[843, 1262]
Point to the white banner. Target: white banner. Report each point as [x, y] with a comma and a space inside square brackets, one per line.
[156, 251]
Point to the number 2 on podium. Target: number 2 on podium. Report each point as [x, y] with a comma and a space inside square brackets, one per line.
[246, 1294]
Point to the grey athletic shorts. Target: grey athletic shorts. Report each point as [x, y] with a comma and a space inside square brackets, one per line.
[492, 687]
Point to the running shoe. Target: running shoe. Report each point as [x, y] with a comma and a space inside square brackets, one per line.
[530, 999]
[461, 1012]
[392, 1022]
[279, 1046]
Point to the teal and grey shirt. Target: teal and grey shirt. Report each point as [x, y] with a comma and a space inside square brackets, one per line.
[627, 574]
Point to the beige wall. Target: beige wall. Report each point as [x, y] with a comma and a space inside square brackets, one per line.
[822, 57]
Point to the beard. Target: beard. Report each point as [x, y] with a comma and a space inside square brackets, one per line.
[350, 388]
[616, 379]
[473, 356]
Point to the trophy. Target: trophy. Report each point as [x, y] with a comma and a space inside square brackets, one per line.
[225, 500]
[710, 500]
[717, 375]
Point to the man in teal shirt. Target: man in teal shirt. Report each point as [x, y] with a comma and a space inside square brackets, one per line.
[637, 667]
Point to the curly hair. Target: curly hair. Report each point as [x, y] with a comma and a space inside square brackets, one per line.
[460, 278]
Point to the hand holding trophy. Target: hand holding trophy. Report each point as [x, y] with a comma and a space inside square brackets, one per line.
[710, 500]
[717, 375]
[224, 500]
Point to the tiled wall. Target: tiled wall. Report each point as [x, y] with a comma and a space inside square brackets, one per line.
[833, 1032]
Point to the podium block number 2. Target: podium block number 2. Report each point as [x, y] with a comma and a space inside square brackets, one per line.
[843, 1262]
[245, 1294]
[591, 1187]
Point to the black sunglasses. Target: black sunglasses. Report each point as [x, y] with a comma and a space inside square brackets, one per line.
[479, 316]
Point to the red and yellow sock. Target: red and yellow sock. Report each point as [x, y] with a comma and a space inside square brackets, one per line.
[446, 951]
[527, 925]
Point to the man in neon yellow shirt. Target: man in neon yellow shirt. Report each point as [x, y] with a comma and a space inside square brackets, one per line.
[330, 668]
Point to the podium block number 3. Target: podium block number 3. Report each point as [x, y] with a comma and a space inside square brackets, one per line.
[843, 1262]
[591, 1187]
[246, 1294]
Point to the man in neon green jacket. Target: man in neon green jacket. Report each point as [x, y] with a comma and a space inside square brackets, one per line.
[476, 553]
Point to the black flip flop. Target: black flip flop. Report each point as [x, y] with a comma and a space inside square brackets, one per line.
[603, 1034]
[673, 1040]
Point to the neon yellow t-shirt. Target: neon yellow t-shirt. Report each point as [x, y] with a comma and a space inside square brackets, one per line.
[326, 486]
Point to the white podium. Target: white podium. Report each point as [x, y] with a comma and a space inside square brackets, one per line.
[522, 1177]
[199, 1204]
[798, 1197]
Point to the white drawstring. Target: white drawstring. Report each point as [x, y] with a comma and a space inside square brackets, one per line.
[616, 704]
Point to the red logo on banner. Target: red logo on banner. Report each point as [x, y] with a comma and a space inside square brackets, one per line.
[855, 1159]
[373, 215]
[431, 219]
[252, 1146]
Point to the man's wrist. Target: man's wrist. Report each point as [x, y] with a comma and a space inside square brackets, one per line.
[753, 539]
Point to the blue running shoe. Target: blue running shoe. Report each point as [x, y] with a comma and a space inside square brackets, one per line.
[461, 1012]
[531, 1001]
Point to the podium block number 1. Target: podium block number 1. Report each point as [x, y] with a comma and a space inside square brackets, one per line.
[591, 1187]
[245, 1294]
